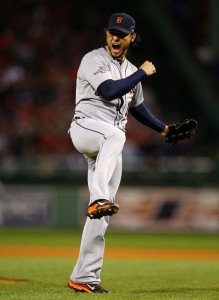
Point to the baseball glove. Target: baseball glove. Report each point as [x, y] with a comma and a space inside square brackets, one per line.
[180, 131]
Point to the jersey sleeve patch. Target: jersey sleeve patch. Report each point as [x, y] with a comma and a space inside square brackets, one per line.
[101, 69]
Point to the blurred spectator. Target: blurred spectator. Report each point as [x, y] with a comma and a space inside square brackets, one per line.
[41, 44]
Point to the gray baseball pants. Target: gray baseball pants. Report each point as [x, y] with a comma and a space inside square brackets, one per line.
[101, 144]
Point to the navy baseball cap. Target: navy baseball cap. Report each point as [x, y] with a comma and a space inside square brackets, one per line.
[121, 22]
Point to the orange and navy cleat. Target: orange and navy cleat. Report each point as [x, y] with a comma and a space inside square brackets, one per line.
[101, 208]
[87, 288]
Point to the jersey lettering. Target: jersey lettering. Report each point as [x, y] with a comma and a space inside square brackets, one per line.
[132, 91]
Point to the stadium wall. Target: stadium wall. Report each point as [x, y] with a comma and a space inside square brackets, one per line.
[152, 208]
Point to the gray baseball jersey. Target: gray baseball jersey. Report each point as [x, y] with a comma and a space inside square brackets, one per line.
[96, 67]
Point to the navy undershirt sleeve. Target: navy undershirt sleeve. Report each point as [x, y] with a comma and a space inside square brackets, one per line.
[113, 89]
[144, 116]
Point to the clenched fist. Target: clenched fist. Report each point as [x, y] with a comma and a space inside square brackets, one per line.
[148, 67]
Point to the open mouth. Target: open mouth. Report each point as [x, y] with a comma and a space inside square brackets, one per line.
[116, 46]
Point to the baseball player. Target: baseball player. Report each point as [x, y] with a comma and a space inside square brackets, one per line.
[108, 87]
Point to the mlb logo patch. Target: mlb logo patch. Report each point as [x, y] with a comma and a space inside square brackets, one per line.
[101, 69]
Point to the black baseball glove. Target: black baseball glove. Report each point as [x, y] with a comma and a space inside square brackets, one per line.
[180, 131]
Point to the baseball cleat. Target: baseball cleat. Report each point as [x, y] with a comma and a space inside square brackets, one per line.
[101, 208]
[87, 288]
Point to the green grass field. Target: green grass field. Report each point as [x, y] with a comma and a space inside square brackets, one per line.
[46, 278]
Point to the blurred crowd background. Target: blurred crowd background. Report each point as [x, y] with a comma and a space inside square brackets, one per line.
[41, 46]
